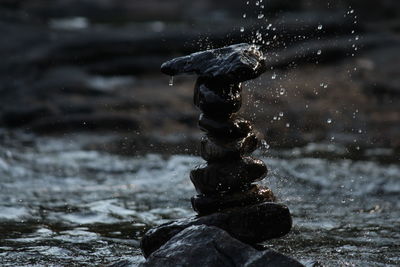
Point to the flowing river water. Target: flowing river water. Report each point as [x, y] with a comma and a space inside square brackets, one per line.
[62, 204]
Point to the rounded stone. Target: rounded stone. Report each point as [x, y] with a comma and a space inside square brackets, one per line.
[206, 204]
[213, 149]
[217, 99]
[251, 225]
[213, 247]
[227, 176]
[231, 128]
[212, 152]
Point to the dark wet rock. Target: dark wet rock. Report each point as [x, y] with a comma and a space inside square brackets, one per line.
[206, 204]
[235, 63]
[211, 246]
[232, 128]
[219, 101]
[228, 175]
[252, 224]
[216, 149]
[213, 152]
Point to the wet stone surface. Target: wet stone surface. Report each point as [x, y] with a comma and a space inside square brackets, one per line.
[235, 63]
[252, 224]
[227, 175]
[217, 102]
[211, 246]
[213, 149]
[253, 195]
[233, 128]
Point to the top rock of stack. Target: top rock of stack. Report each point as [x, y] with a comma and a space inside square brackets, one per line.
[231, 64]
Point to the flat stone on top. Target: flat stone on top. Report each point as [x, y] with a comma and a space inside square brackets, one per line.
[235, 63]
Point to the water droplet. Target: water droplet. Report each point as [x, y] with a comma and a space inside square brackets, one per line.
[329, 121]
[281, 114]
[244, 15]
[273, 77]
[260, 16]
[282, 91]
[319, 27]
[319, 52]
[357, 37]
[241, 29]
[264, 144]
[171, 81]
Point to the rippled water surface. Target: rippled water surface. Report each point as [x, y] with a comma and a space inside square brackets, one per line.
[64, 205]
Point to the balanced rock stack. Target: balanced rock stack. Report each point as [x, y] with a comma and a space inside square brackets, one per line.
[227, 196]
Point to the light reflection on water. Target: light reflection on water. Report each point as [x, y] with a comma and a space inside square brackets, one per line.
[63, 205]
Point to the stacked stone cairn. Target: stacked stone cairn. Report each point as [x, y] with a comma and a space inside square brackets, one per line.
[227, 197]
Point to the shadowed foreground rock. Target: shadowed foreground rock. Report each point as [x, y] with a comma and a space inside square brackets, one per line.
[211, 246]
[251, 224]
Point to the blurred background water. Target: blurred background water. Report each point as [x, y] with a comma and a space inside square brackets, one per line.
[96, 147]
